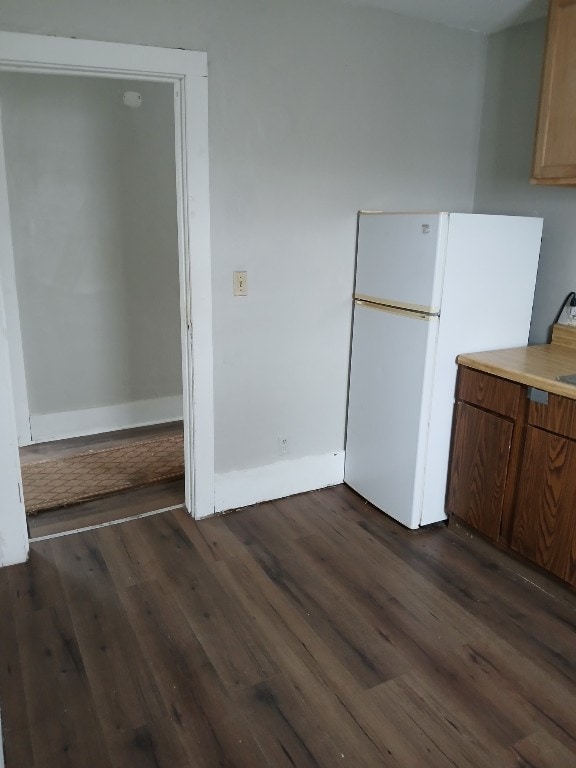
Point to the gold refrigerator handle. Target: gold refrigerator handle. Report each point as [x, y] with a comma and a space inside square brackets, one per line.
[397, 304]
[416, 315]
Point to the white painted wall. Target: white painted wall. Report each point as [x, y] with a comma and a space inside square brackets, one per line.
[92, 196]
[505, 160]
[316, 110]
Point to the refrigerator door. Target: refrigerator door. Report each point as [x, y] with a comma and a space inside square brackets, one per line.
[388, 408]
[492, 260]
[400, 259]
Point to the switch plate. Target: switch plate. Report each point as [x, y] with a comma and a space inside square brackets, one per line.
[240, 283]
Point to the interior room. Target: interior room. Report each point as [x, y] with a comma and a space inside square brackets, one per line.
[304, 625]
[94, 308]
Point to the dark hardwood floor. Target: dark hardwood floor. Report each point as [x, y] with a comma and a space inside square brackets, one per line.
[312, 631]
[108, 509]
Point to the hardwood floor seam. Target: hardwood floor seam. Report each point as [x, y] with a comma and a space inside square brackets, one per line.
[121, 520]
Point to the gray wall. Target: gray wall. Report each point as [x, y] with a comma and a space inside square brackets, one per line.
[505, 159]
[93, 209]
[316, 109]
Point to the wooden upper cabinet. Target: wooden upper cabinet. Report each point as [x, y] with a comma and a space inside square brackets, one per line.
[555, 153]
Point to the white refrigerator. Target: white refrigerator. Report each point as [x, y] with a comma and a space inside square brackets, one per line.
[429, 286]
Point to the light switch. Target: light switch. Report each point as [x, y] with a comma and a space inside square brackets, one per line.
[240, 284]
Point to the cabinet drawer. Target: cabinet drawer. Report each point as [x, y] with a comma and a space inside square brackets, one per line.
[489, 392]
[558, 416]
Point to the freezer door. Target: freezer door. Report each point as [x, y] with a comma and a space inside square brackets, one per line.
[401, 259]
[388, 408]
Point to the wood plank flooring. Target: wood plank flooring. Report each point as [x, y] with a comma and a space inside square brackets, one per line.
[312, 631]
[107, 509]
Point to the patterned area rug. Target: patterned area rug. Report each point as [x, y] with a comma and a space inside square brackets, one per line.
[74, 479]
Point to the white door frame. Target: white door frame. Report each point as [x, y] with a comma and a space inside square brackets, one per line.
[11, 310]
[187, 71]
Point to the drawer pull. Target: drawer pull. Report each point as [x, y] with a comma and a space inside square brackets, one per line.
[538, 395]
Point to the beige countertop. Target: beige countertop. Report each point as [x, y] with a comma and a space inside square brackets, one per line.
[536, 366]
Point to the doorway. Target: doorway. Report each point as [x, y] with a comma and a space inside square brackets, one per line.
[185, 72]
[90, 174]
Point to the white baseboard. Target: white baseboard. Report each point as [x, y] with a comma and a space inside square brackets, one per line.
[93, 421]
[275, 481]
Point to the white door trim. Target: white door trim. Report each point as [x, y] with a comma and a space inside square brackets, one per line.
[11, 310]
[187, 71]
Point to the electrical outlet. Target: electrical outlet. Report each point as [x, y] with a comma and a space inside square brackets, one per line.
[240, 283]
[282, 446]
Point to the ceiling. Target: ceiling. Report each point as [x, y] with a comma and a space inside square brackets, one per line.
[479, 15]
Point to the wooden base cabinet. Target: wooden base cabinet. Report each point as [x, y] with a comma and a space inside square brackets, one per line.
[512, 470]
[482, 443]
[544, 528]
[485, 449]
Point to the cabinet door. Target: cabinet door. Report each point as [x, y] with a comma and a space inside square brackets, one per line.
[544, 527]
[479, 468]
[555, 154]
